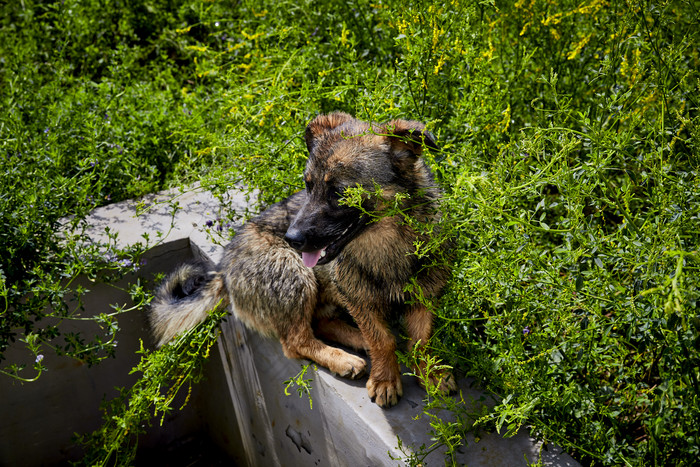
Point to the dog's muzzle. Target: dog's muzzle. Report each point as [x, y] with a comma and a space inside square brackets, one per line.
[310, 254]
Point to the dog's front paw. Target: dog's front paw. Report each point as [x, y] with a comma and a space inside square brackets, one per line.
[441, 379]
[385, 393]
[445, 381]
[349, 366]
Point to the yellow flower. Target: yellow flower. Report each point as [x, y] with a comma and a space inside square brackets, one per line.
[581, 44]
[197, 48]
[591, 8]
[554, 19]
[252, 37]
[505, 123]
[440, 63]
[525, 28]
[488, 55]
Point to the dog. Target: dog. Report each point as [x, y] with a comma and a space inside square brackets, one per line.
[291, 271]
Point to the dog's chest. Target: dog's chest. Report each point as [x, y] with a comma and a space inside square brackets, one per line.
[378, 263]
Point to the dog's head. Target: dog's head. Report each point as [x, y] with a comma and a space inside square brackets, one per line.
[345, 152]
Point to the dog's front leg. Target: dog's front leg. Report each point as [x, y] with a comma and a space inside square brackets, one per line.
[419, 326]
[384, 383]
[300, 342]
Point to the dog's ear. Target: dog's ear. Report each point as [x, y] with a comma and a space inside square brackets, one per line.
[323, 124]
[409, 135]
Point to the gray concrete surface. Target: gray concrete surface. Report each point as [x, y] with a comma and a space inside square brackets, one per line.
[241, 406]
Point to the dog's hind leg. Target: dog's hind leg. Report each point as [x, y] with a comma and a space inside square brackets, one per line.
[339, 331]
[300, 342]
[419, 326]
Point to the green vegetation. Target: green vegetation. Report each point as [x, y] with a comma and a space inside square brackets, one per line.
[165, 372]
[570, 154]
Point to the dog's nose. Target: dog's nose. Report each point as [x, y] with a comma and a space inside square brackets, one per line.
[295, 238]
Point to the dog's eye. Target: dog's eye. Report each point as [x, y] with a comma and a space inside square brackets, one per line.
[309, 185]
[334, 194]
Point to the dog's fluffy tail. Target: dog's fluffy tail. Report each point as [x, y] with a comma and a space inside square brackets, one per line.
[184, 300]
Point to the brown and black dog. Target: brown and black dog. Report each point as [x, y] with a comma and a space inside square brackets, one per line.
[291, 270]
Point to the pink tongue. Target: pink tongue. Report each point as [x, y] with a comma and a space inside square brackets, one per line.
[310, 259]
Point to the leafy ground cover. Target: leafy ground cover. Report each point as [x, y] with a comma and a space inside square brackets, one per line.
[569, 155]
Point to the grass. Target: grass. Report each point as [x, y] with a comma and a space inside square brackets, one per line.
[569, 135]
